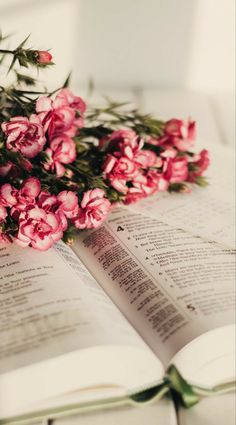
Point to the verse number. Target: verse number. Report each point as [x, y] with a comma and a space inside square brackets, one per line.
[120, 229]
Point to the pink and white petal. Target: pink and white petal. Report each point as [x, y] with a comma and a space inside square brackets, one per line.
[3, 213]
[163, 185]
[21, 242]
[60, 170]
[34, 119]
[31, 187]
[98, 193]
[32, 149]
[69, 202]
[53, 221]
[57, 235]
[43, 104]
[9, 198]
[119, 185]
[37, 214]
[42, 244]
[27, 231]
[109, 163]
[63, 220]
[87, 196]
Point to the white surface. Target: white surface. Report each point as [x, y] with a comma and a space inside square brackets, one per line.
[135, 43]
[160, 413]
[217, 410]
[157, 43]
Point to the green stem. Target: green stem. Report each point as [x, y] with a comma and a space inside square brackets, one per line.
[11, 52]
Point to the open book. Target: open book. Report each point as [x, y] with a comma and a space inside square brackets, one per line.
[103, 320]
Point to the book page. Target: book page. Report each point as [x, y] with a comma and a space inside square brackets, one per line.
[50, 305]
[171, 285]
[215, 410]
[208, 212]
[163, 410]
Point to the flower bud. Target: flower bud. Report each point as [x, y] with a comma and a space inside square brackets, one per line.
[44, 57]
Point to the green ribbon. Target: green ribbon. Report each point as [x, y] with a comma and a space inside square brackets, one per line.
[188, 395]
[174, 382]
[179, 385]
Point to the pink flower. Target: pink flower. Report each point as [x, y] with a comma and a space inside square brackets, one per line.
[24, 135]
[93, 210]
[129, 145]
[43, 57]
[68, 203]
[175, 170]
[62, 151]
[146, 158]
[59, 116]
[203, 161]
[182, 134]
[8, 195]
[38, 229]
[119, 171]
[27, 195]
[3, 213]
[64, 205]
[200, 163]
[4, 238]
[144, 184]
[134, 194]
[20, 200]
[65, 96]
[152, 140]
[25, 164]
[5, 169]
[124, 137]
[169, 152]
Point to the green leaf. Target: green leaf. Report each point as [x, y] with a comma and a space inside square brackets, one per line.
[177, 187]
[12, 64]
[67, 81]
[29, 81]
[201, 181]
[23, 42]
[193, 167]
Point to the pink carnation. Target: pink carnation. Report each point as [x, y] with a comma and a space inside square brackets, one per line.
[119, 171]
[64, 205]
[146, 158]
[8, 195]
[180, 133]
[128, 144]
[93, 210]
[175, 170]
[62, 151]
[5, 169]
[144, 184]
[38, 229]
[24, 135]
[201, 163]
[3, 213]
[127, 158]
[65, 96]
[124, 138]
[4, 238]
[68, 203]
[27, 195]
[59, 116]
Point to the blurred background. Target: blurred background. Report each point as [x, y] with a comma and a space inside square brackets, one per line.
[170, 57]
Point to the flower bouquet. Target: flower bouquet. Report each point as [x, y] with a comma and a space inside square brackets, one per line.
[63, 165]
